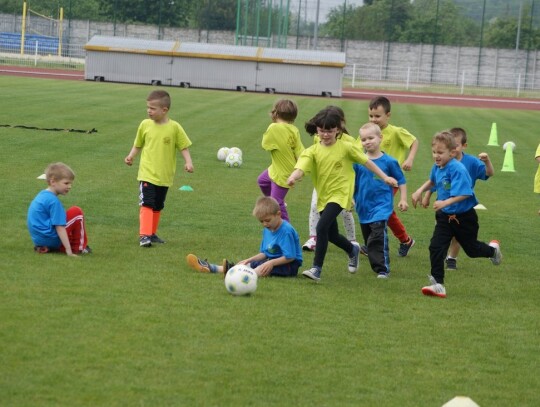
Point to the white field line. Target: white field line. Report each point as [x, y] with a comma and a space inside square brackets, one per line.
[436, 97]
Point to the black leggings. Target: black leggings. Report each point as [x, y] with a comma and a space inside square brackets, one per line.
[327, 231]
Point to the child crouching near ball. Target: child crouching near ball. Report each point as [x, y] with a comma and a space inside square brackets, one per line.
[280, 253]
[52, 228]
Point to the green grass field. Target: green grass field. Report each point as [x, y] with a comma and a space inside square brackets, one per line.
[127, 326]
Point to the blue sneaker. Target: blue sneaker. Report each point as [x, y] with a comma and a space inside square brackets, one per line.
[354, 258]
[313, 273]
[405, 247]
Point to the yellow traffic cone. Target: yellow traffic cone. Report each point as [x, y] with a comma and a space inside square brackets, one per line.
[508, 163]
[493, 136]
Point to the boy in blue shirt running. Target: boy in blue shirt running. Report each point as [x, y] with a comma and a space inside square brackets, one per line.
[374, 200]
[479, 168]
[455, 215]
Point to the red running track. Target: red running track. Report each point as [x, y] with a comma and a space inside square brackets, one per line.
[360, 94]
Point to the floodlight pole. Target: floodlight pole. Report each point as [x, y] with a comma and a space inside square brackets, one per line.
[316, 28]
[23, 28]
[481, 43]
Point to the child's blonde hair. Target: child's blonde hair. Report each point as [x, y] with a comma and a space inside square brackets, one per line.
[59, 171]
[265, 205]
[372, 127]
[161, 96]
[284, 109]
[446, 138]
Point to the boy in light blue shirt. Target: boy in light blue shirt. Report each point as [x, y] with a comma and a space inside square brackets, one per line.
[279, 254]
[479, 168]
[455, 215]
[374, 200]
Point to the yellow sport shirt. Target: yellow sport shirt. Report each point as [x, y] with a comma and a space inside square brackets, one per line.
[332, 171]
[397, 142]
[283, 142]
[158, 144]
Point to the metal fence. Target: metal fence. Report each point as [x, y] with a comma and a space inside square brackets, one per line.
[444, 81]
[69, 56]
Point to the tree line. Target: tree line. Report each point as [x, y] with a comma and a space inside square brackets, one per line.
[487, 23]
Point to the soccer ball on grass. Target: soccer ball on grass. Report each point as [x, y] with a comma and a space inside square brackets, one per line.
[235, 150]
[241, 280]
[222, 153]
[233, 160]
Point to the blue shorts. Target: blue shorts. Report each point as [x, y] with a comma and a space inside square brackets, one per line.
[285, 270]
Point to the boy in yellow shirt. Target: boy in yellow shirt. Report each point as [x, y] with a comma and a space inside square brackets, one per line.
[157, 139]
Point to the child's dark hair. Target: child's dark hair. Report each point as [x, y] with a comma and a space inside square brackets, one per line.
[446, 138]
[284, 109]
[459, 132]
[380, 101]
[161, 96]
[328, 118]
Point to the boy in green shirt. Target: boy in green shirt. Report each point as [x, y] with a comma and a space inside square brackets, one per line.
[157, 139]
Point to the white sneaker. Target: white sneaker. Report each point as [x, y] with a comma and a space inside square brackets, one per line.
[435, 289]
[309, 246]
[497, 258]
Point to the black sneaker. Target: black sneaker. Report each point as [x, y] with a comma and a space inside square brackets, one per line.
[405, 247]
[363, 250]
[451, 264]
[86, 250]
[145, 241]
[227, 265]
[155, 239]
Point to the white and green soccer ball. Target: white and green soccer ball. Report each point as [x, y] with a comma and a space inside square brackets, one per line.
[235, 150]
[222, 153]
[233, 160]
[241, 280]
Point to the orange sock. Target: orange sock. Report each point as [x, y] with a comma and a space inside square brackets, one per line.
[155, 221]
[146, 220]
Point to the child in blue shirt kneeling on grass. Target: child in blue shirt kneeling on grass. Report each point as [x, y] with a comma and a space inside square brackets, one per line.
[280, 253]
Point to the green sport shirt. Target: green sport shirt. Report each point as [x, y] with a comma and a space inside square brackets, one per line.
[283, 142]
[397, 142]
[158, 144]
[332, 171]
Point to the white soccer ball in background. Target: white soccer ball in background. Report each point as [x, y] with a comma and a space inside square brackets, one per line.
[510, 144]
[222, 153]
[241, 280]
[233, 160]
[235, 150]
